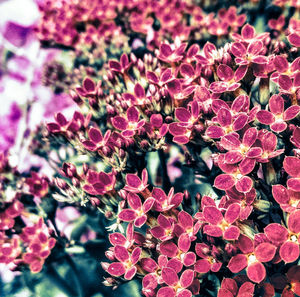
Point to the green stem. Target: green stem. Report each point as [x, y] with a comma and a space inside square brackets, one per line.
[59, 281]
[76, 275]
[165, 176]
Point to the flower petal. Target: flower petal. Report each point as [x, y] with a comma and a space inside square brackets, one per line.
[237, 263]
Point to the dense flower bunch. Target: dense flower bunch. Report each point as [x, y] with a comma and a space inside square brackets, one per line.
[187, 147]
[197, 99]
[89, 22]
[25, 238]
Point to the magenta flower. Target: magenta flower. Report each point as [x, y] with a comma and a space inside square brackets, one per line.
[182, 130]
[295, 139]
[235, 175]
[251, 54]
[289, 85]
[208, 261]
[227, 123]
[63, 126]
[126, 265]
[163, 202]
[89, 88]
[229, 288]
[245, 200]
[282, 66]
[119, 239]
[219, 225]
[178, 91]
[276, 118]
[249, 35]
[176, 287]
[99, 183]
[38, 186]
[229, 79]
[96, 140]
[139, 97]
[165, 76]
[287, 239]
[288, 200]
[294, 39]
[252, 258]
[277, 24]
[164, 231]
[154, 277]
[237, 150]
[179, 254]
[134, 184]
[187, 224]
[156, 129]
[129, 125]
[121, 66]
[171, 53]
[292, 167]
[39, 245]
[138, 211]
[268, 142]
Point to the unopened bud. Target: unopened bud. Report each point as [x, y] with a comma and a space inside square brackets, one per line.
[76, 98]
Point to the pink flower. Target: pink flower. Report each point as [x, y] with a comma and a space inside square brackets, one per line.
[165, 76]
[292, 166]
[295, 139]
[96, 140]
[171, 53]
[268, 142]
[99, 183]
[229, 288]
[127, 262]
[219, 225]
[252, 258]
[289, 85]
[277, 116]
[208, 261]
[282, 66]
[287, 239]
[239, 151]
[138, 211]
[229, 79]
[188, 225]
[176, 287]
[277, 24]
[182, 130]
[164, 231]
[227, 123]
[235, 175]
[121, 67]
[129, 125]
[248, 35]
[163, 202]
[154, 277]
[251, 54]
[89, 88]
[38, 186]
[287, 199]
[134, 184]
[119, 239]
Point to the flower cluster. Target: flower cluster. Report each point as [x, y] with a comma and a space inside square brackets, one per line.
[25, 238]
[189, 140]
